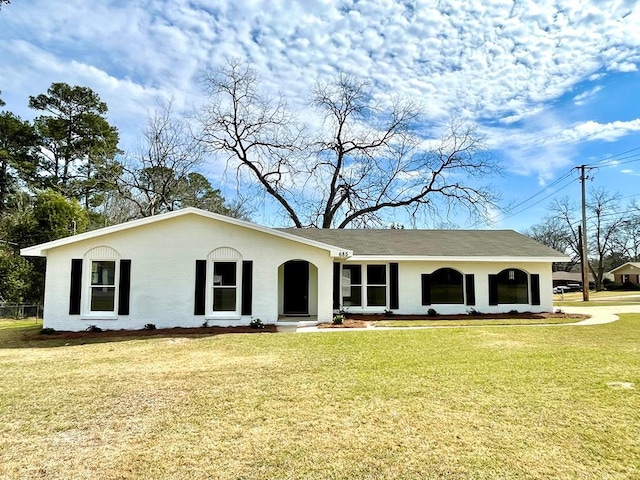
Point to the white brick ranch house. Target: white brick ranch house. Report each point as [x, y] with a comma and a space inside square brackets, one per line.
[190, 266]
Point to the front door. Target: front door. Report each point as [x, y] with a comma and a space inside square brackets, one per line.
[296, 288]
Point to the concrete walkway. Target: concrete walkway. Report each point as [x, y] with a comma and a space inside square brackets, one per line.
[599, 316]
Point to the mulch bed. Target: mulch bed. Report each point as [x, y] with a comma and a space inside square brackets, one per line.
[347, 323]
[362, 320]
[160, 332]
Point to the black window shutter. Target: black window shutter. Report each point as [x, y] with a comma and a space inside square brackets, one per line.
[336, 285]
[493, 290]
[125, 287]
[76, 286]
[201, 287]
[470, 286]
[247, 287]
[394, 297]
[535, 289]
[426, 289]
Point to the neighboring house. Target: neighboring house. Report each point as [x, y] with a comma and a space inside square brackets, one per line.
[570, 278]
[627, 273]
[188, 267]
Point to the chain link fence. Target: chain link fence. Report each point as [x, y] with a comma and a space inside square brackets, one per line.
[20, 311]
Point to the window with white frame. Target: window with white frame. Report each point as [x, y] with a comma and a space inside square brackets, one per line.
[376, 285]
[352, 285]
[101, 282]
[225, 286]
[225, 272]
[103, 286]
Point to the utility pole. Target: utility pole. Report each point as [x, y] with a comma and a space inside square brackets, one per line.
[585, 259]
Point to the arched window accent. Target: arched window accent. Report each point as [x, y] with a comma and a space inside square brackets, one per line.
[445, 286]
[106, 281]
[510, 286]
[224, 253]
[102, 252]
[226, 272]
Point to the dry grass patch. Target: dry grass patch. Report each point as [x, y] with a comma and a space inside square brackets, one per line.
[524, 403]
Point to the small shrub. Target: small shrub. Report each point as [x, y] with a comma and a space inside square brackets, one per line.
[473, 311]
[432, 312]
[205, 324]
[389, 313]
[149, 326]
[93, 328]
[513, 312]
[338, 319]
[47, 331]
[256, 323]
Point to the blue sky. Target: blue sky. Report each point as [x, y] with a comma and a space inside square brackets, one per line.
[551, 84]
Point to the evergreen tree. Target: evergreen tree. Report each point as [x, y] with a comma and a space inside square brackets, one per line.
[79, 143]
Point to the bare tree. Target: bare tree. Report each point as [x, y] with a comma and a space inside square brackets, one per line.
[627, 242]
[603, 208]
[556, 232]
[604, 222]
[365, 157]
[163, 175]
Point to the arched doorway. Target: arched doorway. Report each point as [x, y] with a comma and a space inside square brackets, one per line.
[298, 288]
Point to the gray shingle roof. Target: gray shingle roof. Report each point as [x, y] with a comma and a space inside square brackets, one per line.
[430, 243]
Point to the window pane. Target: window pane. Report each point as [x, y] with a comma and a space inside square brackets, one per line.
[376, 275]
[355, 273]
[224, 273]
[102, 299]
[355, 299]
[446, 286]
[376, 296]
[513, 286]
[224, 299]
[103, 273]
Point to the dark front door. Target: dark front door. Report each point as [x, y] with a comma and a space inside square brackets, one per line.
[296, 288]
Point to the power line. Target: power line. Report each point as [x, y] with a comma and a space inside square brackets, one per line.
[541, 191]
[513, 214]
[611, 157]
[624, 163]
[621, 214]
[602, 163]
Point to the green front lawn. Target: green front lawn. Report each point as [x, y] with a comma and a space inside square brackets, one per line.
[478, 322]
[597, 299]
[481, 403]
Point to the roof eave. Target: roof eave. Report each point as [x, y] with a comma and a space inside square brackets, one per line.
[469, 258]
[41, 249]
[622, 267]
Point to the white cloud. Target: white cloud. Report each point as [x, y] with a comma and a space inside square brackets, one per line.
[608, 132]
[582, 98]
[625, 67]
[493, 60]
[484, 58]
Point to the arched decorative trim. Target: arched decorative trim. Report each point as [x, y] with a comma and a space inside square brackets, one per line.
[224, 253]
[102, 252]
